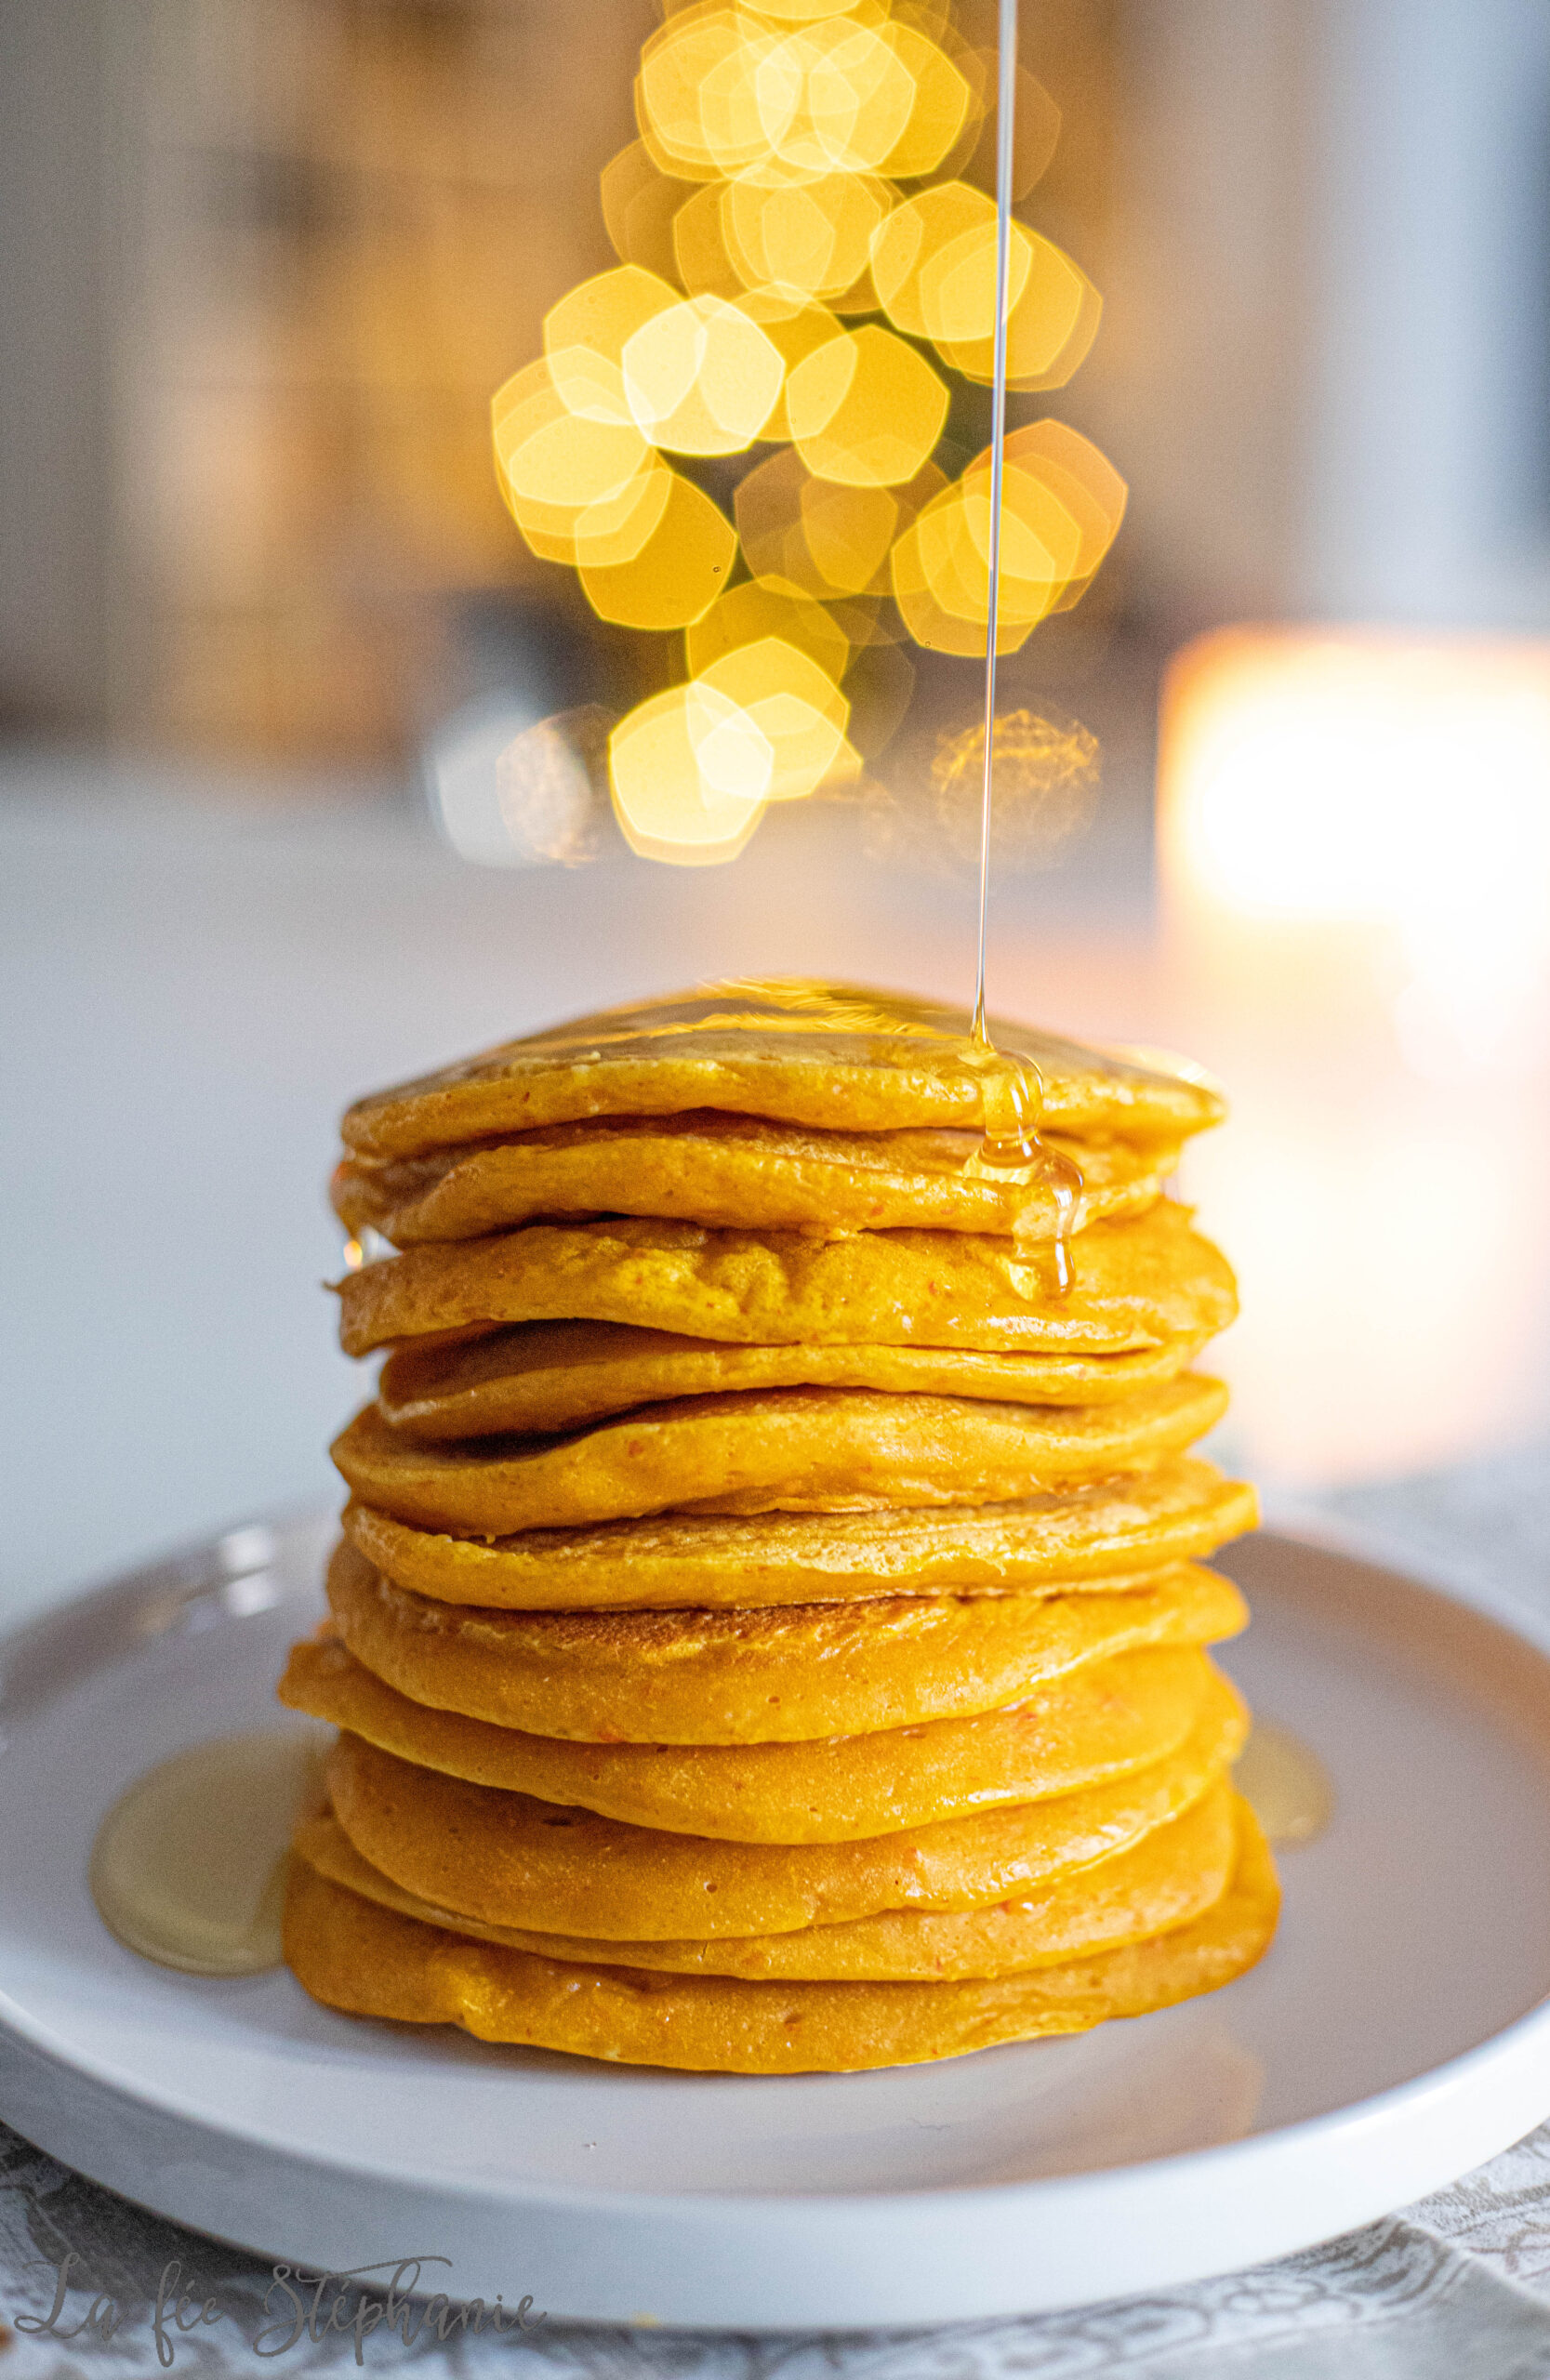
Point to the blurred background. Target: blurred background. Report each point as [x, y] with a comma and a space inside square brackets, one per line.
[262, 263]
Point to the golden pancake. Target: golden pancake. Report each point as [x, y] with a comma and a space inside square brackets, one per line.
[1088, 1725]
[1143, 1283]
[837, 1057]
[528, 1377]
[780, 1674]
[510, 1859]
[740, 1171]
[795, 1450]
[371, 1962]
[1120, 1528]
[1171, 1876]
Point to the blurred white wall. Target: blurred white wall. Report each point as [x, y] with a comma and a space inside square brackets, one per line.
[1427, 460]
[1328, 334]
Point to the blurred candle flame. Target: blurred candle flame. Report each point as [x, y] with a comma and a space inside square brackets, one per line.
[1354, 837]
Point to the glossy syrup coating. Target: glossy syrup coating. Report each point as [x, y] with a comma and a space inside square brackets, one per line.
[845, 1058]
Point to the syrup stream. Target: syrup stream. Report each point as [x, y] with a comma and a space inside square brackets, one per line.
[1011, 1090]
[1006, 129]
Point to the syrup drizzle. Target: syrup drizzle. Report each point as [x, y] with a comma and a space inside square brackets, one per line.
[1012, 1091]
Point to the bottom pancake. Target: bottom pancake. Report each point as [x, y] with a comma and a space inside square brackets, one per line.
[1171, 1876]
[368, 1961]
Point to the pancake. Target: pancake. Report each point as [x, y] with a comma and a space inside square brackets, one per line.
[529, 1377]
[1083, 1728]
[1171, 1876]
[1143, 1283]
[510, 1859]
[1120, 1528]
[797, 1449]
[353, 1955]
[837, 1057]
[737, 1170]
[784, 1674]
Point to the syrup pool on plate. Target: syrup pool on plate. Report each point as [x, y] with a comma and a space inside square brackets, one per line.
[1285, 1783]
[189, 1866]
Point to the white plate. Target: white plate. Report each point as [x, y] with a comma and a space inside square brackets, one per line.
[1394, 2037]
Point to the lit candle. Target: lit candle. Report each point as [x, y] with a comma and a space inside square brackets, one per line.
[1354, 840]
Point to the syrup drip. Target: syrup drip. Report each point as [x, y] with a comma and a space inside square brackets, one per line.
[1012, 1097]
[1285, 1783]
[189, 1865]
[1012, 1093]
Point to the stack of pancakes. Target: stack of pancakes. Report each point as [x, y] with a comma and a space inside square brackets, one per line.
[767, 1632]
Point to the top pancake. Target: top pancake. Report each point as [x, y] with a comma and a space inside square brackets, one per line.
[841, 1058]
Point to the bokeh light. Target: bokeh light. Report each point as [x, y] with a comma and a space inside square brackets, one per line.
[640, 203]
[1354, 865]
[805, 239]
[794, 326]
[795, 704]
[944, 103]
[768, 607]
[1046, 782]
[690, 771]
[1086, 484]
[1035, 136]
[941, 565]
[698, 96]
[677, 574]
[825, 538]
[585, 334]
[865, 409]
[701, 378]
[915, 240]
[1050, 328]
[805, 262]
[701, 257]
[558, 463]
[848, 531]
[509, 790]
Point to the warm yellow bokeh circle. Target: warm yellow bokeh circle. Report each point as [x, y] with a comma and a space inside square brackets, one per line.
[801, 166]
